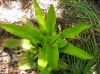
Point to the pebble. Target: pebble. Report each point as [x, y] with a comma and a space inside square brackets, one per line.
[4, 63]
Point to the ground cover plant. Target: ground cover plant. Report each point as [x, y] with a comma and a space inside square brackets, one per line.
[43, 42]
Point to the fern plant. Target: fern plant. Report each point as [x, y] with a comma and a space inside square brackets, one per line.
[43, 41]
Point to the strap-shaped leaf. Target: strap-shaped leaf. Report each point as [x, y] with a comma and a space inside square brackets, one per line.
[40, 16]
[51, 20]
[13, 43]
[52, 56]
[42, 59]
[75, 51]
[25, 32]
[75, 30]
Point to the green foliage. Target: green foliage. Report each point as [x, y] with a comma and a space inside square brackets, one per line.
[73, 50]
[40, 16]
[25, 31]
[47, 41]
[88, 40]
[13, 43]
[63, 64]
[53, 55]
[26, 64]
[27, 60]
[51, 20]
[74, 31]
[42, 59]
